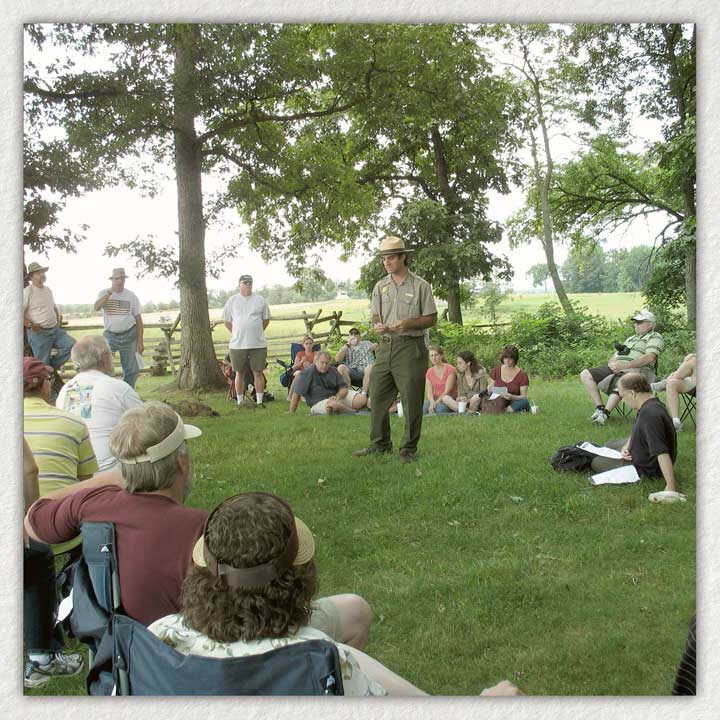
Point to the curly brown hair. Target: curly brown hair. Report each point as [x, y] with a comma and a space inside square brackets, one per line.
[246, 535]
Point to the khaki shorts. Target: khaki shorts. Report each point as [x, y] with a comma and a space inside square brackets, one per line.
[320, 408]
[325, 617]
[609, 383]
[257, 357]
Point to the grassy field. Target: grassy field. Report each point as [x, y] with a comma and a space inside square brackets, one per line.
[479, 561]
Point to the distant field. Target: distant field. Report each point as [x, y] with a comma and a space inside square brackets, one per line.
[611, 305]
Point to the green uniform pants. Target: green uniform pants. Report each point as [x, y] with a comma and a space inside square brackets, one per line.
[400, 366]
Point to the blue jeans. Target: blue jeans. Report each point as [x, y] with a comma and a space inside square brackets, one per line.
[440, 408]
[125, 344]
[43, 341]
[40, 632]
[522, 405]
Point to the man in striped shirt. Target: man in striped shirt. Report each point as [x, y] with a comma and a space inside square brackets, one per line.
[59, 441]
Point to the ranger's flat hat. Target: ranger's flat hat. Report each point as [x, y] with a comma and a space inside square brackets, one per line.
[35, 267]
[392, 245]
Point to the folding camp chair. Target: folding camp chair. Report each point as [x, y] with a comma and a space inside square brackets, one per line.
[144, 665]
[286, 377]
[689, 406]
[95, 591]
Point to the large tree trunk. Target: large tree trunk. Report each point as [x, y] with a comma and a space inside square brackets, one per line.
[198, 364]
[453, 304]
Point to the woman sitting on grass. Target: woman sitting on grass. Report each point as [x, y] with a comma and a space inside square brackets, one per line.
[471, 382]
[514, 379]
[250, 591]
[440, 381]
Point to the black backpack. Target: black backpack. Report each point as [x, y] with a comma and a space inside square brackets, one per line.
[571, 458]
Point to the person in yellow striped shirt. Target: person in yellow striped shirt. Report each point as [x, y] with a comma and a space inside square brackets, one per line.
[59, 440]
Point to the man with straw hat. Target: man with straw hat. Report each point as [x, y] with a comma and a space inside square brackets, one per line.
[403, 309]
[123, 324]
[42, 319]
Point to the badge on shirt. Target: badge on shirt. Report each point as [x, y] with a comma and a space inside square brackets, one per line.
[385, 289]
[410, 295]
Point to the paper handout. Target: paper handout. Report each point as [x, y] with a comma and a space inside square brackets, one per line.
[603, 451]
[617, 476]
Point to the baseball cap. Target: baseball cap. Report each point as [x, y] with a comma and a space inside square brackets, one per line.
[35, 372]
[644, 316]
[245, 279]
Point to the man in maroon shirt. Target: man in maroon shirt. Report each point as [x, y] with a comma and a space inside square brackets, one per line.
[154, 532]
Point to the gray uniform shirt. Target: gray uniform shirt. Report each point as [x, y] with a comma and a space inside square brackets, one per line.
[411, 298]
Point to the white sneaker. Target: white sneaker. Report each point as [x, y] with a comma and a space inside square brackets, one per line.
[595, 414]
[59, 666]
[677, 424]
[658, 386]
[600, 418]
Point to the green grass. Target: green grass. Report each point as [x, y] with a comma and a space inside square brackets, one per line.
[479, 561]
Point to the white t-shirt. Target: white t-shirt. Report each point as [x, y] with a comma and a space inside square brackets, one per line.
[120, 310]
[39, 305]
[246, 315]
[100, 400]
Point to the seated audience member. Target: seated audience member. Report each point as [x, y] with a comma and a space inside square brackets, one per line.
[42, 636]
[514, 379]
[95, 396]
[303, 359]
[355, 360]
[59, 440]
[324, 389]
[678, 383]
[639, 353]
[471, 382]
[250, 591]
[440, 380]
[652, 445]
[154, 531]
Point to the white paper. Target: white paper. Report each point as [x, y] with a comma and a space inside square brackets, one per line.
[499, 392]
[602, 451]
[65, 607]
[618, 476]
[139, 360]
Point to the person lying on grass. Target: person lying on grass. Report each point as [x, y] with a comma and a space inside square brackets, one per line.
[250, 591]
[652, 445]
[324, 389]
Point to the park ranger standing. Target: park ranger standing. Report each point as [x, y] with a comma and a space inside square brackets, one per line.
[403, 309]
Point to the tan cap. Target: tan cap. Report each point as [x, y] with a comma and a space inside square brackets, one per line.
[118, 273]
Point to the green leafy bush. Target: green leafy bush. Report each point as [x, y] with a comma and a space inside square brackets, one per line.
[553, 345]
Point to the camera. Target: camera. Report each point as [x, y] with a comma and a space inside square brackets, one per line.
[621, 349]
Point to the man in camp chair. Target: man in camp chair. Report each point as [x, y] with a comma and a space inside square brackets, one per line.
[639, 354]
[680, 382]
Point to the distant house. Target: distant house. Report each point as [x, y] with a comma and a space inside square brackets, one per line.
[342, 296]
[165, 319]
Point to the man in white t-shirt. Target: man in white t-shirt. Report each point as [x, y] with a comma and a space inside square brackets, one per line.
[246, 316]
[123, 324]
[42, 319]
[95, 396]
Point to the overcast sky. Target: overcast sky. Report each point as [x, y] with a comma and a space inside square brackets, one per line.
[119, 215]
